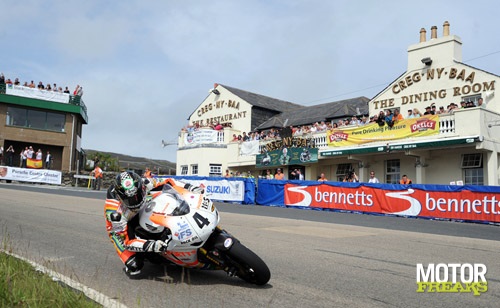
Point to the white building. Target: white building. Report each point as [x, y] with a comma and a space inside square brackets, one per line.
[460, 146]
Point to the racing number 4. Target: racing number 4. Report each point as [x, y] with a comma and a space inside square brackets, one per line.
[200, 220]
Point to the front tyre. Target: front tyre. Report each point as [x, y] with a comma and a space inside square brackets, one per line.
[250, 267]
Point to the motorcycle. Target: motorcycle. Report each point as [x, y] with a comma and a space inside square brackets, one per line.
[189, 222]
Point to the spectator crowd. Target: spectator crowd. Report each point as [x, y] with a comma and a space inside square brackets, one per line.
[7, 157]
[42, 86]
[389, 117]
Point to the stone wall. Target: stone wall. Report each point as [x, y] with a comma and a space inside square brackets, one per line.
[68, 179]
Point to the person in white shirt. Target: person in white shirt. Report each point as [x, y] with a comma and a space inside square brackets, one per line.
[373, 179]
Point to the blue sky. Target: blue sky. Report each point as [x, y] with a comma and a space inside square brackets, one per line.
[145, 66]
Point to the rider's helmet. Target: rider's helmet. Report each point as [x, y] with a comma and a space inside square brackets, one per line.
[130, 190]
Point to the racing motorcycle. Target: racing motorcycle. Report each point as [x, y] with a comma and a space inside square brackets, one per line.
[189, 222]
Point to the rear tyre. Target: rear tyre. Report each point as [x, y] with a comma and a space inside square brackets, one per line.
[250, 267]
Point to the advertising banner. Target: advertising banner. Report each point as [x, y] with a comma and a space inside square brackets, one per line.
[287, 156]
[446, 202]
[201, 136]
[30, 175]
[416, 127]
[219, 189]
[37, 93]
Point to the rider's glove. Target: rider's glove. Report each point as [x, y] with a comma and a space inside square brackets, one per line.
[155, 246]
[194, 189]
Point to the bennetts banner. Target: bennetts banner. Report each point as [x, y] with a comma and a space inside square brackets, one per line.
[416, 127]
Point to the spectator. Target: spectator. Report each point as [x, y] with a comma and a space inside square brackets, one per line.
[351, 177]
[417, 113]
[227, 175]
[48, 160]
[480, 103]
[32, 84]
[269, 175]
[322, 178]
[10, 156]
[397, 116]
[30, 152]
[66, 90]
[279, 175]
[2, 78]
[428, 111]
[433, 109]
[441, 110]
[300, 176]
[39, 154]
[373, 178]
[97, 173]
[17, 82]
[8, 81]
[23, 156]
[463, 104]
[40, 86]
[410, 114]
[405, 180]
[389, 118]
[147, 173]
[381, 118]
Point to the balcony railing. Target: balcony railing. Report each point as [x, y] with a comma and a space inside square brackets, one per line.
[462, 122]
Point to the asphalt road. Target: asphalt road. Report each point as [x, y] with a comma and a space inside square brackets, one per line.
[317, 258]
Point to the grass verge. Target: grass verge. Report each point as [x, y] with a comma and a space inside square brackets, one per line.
[21, 285]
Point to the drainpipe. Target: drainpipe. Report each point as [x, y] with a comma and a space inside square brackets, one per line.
[71, 146]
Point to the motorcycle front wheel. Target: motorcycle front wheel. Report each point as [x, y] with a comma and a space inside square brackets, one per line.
[250, 267]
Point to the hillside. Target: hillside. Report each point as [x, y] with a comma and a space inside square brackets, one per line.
[128, 162]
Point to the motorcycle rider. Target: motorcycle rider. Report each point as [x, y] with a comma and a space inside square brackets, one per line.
[125, 198]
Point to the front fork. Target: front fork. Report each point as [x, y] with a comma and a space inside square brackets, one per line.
[220, 242]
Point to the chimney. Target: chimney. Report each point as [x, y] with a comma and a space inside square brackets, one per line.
[446, 28]
[434, 34]
[422, 35]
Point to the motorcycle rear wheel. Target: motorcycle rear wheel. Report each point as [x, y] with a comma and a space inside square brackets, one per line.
[251, 268]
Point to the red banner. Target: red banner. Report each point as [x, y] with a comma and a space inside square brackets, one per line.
[462, 205]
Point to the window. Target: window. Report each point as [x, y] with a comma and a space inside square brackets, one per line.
[472, 160]
[472, 98]
[472, 165]
[215, 170]
[37, 119]
[474, 176]
[392, 171]
[184, 170]
[342, 171]
[194, 169]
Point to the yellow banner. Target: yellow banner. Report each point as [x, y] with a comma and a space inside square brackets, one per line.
[34, 163]
[408, 128]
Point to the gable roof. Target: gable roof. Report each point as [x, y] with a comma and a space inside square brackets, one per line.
[262, 101]
[323, 112]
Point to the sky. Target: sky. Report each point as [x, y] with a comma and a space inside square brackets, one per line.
[145, 66]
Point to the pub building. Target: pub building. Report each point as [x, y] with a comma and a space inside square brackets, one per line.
[455, 142]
